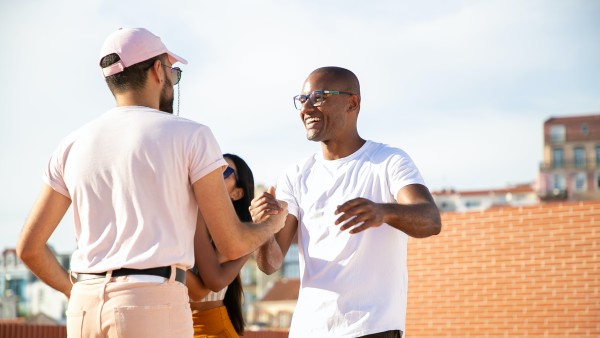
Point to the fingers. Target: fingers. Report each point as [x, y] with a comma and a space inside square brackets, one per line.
[351, 209]
[358, 215]
[349, 205]
[264, 205]
[360, 228]
[351, 221]
[271, 190]
[282, 214]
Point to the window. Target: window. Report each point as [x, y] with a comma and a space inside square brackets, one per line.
[558, 182]
[585, 129]
[472, 204]
[291, 265]
[557, 133]
[247, 275]
[598, 180]
[10, 260]
[598, 156]
[557, 158]
[579, 182]
[284, 319]
[579, 157]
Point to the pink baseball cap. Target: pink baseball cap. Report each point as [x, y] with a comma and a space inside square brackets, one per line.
[133, 45]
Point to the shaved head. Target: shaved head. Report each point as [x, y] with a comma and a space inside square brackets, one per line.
[343, 77]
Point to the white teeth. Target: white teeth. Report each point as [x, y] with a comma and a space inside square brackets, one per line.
[312, 119]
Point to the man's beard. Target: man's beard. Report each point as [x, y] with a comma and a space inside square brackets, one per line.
[166, 103]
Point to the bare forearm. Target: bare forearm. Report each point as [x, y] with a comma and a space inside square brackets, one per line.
[269, 257]
[247, 239]
[229, 270]
[196, 289]
[44, 265]
[416, 220]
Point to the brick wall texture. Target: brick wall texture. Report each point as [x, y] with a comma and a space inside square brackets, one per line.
[508, 272]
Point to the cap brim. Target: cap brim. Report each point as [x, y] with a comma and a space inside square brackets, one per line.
[176, 58]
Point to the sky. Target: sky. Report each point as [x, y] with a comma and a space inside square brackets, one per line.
[463, 86]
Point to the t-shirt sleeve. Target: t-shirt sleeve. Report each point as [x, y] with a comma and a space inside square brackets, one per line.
[285, 190]
[402, 171]
[204, 155]
[53, 173]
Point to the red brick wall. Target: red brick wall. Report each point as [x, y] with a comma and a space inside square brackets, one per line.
[508, 272]
[20, 330]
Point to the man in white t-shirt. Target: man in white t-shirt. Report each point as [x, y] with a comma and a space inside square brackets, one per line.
[353, 206]
[136, 177]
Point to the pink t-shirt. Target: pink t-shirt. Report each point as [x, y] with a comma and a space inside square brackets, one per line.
[129, 175]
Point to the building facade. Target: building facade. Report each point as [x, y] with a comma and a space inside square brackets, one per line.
[478, 200]
[24, 295]
[571, 166]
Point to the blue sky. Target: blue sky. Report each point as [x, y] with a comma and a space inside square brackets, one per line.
[463, 86]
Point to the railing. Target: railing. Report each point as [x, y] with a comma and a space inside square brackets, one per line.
[20, 330]
[555, 195]
[570, 164]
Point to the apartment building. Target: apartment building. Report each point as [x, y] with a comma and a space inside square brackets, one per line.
[571, 163]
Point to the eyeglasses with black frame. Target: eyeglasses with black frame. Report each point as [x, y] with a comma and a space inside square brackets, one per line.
[176, 72]
[316, 98]
[228, 171]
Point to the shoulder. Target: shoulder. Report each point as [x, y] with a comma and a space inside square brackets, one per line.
[301, 166]
[181, 122]
[378, 152]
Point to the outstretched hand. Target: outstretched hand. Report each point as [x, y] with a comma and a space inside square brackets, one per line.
[359, 213]
[265, 205]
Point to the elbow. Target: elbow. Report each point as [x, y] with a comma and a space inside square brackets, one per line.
[217, 284]
[431, 228]
[215, 287]
[25, 251]
[436, 229]
[229, 252]
[435, 222]
[267, 270]
[435, 225]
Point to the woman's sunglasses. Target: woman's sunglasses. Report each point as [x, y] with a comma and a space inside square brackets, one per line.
[228, 171]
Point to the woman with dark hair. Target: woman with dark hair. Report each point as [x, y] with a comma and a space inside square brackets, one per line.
[215, 287]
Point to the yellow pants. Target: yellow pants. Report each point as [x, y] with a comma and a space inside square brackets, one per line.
[213, 323]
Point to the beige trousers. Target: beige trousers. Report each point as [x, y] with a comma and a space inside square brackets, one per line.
[110, 307]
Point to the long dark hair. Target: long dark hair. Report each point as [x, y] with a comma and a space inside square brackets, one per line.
[235, 293]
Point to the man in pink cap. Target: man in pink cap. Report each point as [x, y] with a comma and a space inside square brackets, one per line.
[137, 178]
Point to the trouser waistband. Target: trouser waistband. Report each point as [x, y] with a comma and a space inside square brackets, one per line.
[164, 271]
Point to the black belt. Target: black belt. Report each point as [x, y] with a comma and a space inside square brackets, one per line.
[164, 271]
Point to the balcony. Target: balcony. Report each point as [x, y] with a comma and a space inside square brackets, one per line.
[555, 195]
[582, 164]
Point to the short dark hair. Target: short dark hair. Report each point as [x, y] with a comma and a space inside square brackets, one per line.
[131, 78]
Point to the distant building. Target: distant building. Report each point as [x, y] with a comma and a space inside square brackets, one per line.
[275, 309]
[571, 166]
[14, 277]
[257, 285]
[24, 295]
[478, 200]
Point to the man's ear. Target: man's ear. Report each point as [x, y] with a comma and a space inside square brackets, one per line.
[353, 103]
[157, 72]
[237, 194]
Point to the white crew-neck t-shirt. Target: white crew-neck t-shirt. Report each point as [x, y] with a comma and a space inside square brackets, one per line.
[351, 285]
